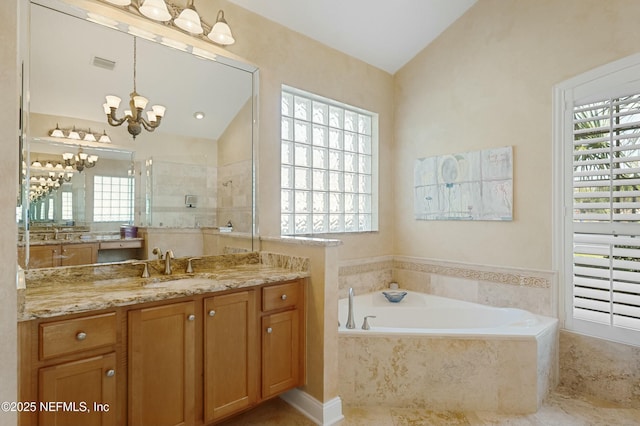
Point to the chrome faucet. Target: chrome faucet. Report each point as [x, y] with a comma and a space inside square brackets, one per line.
[167, 262]
[350, 322]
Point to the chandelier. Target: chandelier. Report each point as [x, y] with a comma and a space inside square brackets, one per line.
[79, 161]
[134, 117]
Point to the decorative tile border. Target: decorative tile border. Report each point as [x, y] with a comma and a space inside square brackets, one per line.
[353, 267]
[511, 276]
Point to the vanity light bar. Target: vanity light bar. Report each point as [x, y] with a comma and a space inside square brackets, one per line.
[186, 19]
[80, 134]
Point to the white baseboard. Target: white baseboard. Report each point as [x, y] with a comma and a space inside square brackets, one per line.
[322, 414]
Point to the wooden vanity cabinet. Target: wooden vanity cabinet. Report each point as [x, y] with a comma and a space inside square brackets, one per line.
[282, 337]
[161, 353]
[88, 386]
[190, 361]
[230, 354]
[68, 370]
[78, 254]
[52, 255]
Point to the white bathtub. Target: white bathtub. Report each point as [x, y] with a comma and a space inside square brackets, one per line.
[444, 354]
[420, 313]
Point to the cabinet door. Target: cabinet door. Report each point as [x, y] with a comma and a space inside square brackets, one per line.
[79, 254]
[230, 354]
[161, 365]
[280, 352]
[46, 256]
[87, 388]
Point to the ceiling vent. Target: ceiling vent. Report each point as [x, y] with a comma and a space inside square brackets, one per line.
[103, 63]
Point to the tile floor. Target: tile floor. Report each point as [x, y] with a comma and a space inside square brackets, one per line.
[560, 409]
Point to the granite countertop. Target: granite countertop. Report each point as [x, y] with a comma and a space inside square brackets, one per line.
[60, 291]
[80, 240]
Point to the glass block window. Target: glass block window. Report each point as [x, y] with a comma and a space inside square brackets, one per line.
[67, 205]
[112, 199]
[328, 166]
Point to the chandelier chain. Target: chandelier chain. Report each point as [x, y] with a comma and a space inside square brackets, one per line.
[134, 63]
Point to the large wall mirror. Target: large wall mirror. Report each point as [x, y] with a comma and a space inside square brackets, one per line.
[188, 180]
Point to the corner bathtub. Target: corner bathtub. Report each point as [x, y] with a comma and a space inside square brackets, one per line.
[445, 354]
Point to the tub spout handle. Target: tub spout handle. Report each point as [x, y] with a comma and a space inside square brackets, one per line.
[365, 324]
[350, 322]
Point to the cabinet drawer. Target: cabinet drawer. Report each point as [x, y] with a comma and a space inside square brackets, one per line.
[75, 335]
[120, 244]
[280, 296]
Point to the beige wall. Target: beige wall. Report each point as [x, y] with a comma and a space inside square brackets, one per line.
[9, 93]
[286, 57]
[486, 82]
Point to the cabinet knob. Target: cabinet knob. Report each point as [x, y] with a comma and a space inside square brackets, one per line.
[110, 373]
[212, 313]
[191, 317]
[283, 297]
[81, 335]
[269, 330]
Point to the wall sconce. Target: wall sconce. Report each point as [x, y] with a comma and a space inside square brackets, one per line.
[80, 161]
[186, 19]
[80, 134]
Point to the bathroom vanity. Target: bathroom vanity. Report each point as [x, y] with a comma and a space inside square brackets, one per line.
[182, 349]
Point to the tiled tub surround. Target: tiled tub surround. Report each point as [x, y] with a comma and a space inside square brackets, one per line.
[530, 290]
[507, 369]
[65, 290]
[588, 366]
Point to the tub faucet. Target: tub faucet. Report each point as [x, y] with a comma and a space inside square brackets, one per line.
[350, 322]
[167, 262]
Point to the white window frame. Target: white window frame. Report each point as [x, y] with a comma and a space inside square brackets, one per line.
[615, 79]
[312, 168]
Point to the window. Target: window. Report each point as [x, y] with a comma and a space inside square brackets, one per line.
[328, 166]
[601, 174]
[112, 199]
[67, 206]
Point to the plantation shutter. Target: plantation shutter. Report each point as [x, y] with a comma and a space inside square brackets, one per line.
[606, 212]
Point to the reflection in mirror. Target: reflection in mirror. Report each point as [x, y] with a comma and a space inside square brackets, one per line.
[180, 185]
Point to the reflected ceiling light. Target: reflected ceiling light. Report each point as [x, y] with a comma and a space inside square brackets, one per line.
[89, 137]
[189, 20]
[57, 133]
[73, 134]
[134, 117]
[156, 10]
[221, 33]
[104, 138]
[80, 161]
[79, 134]
[199, 115]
